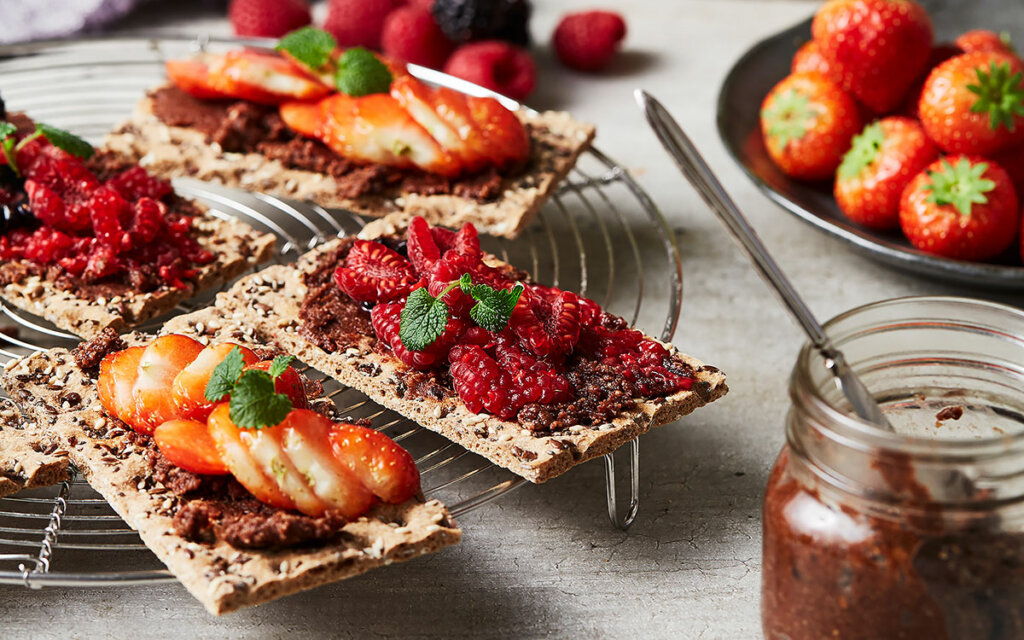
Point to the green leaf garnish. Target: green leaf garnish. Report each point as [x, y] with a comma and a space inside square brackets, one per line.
[960, 185]
[999, 94]
[493, 307]
[863, 151]
[65, 140]
[423, 318]
[309, 45]
[255, 404]
[225, 375]
[280, 365]
[360, 73]
[6, 130]
[790, 116]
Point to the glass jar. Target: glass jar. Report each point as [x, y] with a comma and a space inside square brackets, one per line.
[917, 534]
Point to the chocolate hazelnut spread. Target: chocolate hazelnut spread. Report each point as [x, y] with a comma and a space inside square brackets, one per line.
[245, 127]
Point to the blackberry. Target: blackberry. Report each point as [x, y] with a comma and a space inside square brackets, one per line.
[467, 20]
[15, 215]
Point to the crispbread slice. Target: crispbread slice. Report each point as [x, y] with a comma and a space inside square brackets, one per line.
[270, 300]
[557, 141]
[29, 458]
[236, 245]
[220, 576]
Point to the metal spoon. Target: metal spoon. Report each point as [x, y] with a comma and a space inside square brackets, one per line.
[696, 170]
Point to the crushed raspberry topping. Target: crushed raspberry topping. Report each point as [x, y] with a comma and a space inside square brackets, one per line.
[99, 230]
[557, 348]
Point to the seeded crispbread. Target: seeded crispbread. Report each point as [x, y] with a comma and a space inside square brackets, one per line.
[236, 246]
[270, 300]
[29, 458]
[557, 141]
[220, 576]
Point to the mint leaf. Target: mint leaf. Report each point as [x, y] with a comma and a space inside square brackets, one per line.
[423, 319]
[7, 129]
[309, 45]
[255, 404]
[64, 140]
[279, 365]
[360, 72]
[494, 306]
[225, 375]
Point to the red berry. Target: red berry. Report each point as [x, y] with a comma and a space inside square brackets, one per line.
[547, 320]
[427, 244]
[410, 34]
[374, 273]
[495, 65]
[385, 319]
[357, 22]
[135, 183]
[268, 18]
[588, 41]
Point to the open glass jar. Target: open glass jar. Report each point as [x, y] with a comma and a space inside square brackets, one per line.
[916, 534]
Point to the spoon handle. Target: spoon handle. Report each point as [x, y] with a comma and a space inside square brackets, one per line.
[696, 170]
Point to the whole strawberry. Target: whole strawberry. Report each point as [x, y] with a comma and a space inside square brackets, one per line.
[961, 207]
[808, 58]
[985, 40]
[884, 158]
[974, 103]
[875, 48]
[268, 18]
[807, 123]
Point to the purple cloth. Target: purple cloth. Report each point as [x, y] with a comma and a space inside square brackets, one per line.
[22, 20]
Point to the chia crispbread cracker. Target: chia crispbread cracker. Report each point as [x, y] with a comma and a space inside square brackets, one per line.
[269, 301]
[220, 576]
[557, 140]
[29, 458]
[236, 246]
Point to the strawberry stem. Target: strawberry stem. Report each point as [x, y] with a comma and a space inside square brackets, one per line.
[789, 117]
[1000, 94]
[961, 185]
[863, 151]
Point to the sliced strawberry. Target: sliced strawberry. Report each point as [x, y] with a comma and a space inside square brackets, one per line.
[381, 465]
[453, 107]
[189, 388]
[159, 365]
[374, 273]
[420, 102]
[508, 142]
[234, 451]
[289, 383]
[267, 448]
[118, 372]
[304, 118]
[376, 129]
[245, 75]
[187, 444]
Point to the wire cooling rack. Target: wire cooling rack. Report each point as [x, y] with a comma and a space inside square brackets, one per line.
[600, 235]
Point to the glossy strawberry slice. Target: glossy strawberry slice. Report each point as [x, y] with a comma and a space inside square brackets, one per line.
[381, 465]
[304, 118]
[234, 451]
[245, 75]
[289, 383]
[159, 365]
[508, 141]
[376, 129]
[189, 388]
[420, 102]
[118, 372]
[375, 273]
[187, 444]
[453, 107]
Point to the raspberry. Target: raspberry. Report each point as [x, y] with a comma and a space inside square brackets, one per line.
[385, 319]
[427, 244]
[642, 361]
[45, 203]
[147, 220]
[495, 65]
[468, 20]
[357, 22]
[411, 35]
[547, 320]
[588, 41]
[108, 209]
[268, 18]
[374, 273]
[135, 183]
[451, 267]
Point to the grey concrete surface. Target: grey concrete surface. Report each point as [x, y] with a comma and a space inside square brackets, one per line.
[543, 562]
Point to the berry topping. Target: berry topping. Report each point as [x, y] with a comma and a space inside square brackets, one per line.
[548, 324]
[467, 20]
[495, 65]
[411, 35]
[375, 273]
[386, 318]
[268, 18]
[357, 23]
[588, 41]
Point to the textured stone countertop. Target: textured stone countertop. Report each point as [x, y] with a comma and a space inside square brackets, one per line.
[544, 561]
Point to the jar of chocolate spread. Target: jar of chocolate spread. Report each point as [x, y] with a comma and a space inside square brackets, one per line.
[917, 533]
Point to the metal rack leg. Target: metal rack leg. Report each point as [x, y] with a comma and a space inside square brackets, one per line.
[626, 519]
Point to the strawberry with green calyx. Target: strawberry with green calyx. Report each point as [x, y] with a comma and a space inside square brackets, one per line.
[962, 208]
[11, 145]
[875, 48]
[985, 40]
[808, 58]
[807, 123]
[974, 103]
[883, 159]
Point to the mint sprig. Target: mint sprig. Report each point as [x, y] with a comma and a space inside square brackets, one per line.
[310, 46]
[254, 402]
[59, 138]
[493, 307]
[360, 73]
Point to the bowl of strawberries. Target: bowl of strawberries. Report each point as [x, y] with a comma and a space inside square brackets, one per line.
[894, 128]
